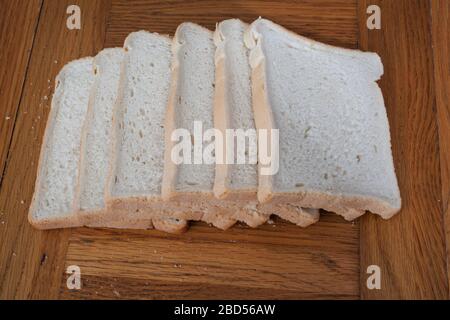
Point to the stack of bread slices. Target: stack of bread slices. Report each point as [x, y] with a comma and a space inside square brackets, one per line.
[106, 155]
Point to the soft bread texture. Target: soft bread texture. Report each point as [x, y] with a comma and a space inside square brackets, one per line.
[334, 147]
[233, 110]
[96, 152]
[236, 183]
[139, 117]
[96, 147]
[189, 187]
[134, 182]
[56, 197]
[191, 100]
[233, 103]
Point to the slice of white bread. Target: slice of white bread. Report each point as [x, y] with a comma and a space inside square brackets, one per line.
[96, 152]
[134, 181]
[334, 146]
[97, 145]
[56, 197]
[190, 186]
[233, 110]
[236, 183]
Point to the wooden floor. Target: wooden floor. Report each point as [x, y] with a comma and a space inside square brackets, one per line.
[279, 260]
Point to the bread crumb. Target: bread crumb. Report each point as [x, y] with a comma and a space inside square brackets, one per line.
[116, 293]
[22, 202]
[7, 117]
[270, 221]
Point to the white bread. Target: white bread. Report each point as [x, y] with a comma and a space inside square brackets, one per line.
[134, 181]
[106, 160]
[238, 183]
[56, 197]
[96, 152]
[235, 183]
[334, 147]
[190, 186]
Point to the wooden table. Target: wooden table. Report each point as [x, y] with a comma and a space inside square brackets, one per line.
[327, 260]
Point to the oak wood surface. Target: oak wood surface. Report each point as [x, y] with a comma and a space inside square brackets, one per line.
[17, 30]
[279, 260]
[31, 264]
[440, 11]
[274, 261]
[331, 21]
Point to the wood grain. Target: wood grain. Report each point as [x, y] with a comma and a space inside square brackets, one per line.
[331, 21]
[409, 248]
[440, 11]
[32, 261]
[132, 288]
[271, 262]
[18, 22]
